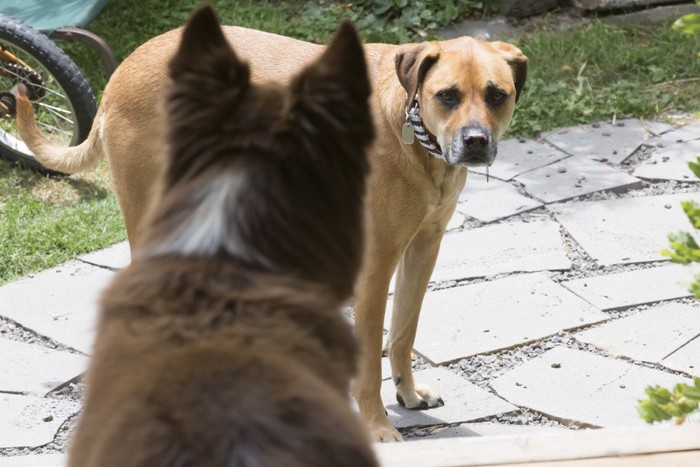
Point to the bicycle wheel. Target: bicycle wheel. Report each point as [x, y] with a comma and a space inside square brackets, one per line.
[64, 104]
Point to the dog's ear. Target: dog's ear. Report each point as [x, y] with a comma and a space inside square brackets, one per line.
[412, 64]
[334, 89]
[205, 60]
[517, 61]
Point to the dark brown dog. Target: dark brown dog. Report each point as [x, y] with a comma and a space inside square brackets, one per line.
[223, 344]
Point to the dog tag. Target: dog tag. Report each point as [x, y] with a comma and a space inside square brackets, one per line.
[407, 133]
[487, 174]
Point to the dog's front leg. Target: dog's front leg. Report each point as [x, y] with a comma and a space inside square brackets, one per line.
[412, 279]
[370, 307]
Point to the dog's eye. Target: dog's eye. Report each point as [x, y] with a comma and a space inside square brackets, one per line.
[449, 97]
[495, 97]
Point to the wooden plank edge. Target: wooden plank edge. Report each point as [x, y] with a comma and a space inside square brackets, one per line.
[548, 447]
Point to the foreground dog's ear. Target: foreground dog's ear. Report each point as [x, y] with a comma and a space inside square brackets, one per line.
[332, 87]
[412, 64]
[518, 63]
[205, 58]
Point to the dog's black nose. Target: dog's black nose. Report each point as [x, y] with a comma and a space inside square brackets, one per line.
[476, 140]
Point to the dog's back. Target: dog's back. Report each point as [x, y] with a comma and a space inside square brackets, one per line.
[222, 344]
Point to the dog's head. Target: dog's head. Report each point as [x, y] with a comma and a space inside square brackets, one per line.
[271, 175]
[466, 90]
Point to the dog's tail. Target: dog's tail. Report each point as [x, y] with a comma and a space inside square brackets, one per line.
[65, 159]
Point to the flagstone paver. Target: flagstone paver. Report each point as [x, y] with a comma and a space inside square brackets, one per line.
[491, 429]
[597, 141]
[117, 256]
[581, 387]
[29, 421]
[488, 316]
[685, 359]
[689, 132]
[41, 460]
[670, 163]
[33, 369]
[60, 303]
[492, 200]
[464, 401]
[456, 222]
[650, 335]
[628, 230]
[517, 156]
[575, 176]
[494, 249]
[630, 288]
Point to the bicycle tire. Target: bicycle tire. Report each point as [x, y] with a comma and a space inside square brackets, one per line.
[63, 72]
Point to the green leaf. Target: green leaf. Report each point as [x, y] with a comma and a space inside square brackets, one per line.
[688, 24]
[662, 404]
[695, 167]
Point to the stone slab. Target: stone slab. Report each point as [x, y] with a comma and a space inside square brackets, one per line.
[492, 200]
[671, 163]
[386, 368]
[689, 132]
[611, 291]
[501, 248]
[517, 156]
[525, 8]
[33, 369]
[59, 303]
[575, 176]
[651, 16]
[462, 321]
[583, 387]
[686, 359]
[492, 429]
[117, 256]
[629, 230]
[29, 421]
[464, 401]
[488, 29]
[650, 335]
[41, 460]
[604, 141]
[606, 5]
[456, 222]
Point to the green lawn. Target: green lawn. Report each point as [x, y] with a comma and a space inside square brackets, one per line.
[591, 74]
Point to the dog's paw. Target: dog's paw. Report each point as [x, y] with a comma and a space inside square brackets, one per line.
[421, 398]
[384, 433]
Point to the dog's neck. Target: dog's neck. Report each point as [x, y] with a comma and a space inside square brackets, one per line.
[414, 127]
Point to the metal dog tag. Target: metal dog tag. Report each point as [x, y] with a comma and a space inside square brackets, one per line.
[407, 133]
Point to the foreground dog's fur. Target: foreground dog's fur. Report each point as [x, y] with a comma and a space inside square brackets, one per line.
[467, 90]
[223, 344]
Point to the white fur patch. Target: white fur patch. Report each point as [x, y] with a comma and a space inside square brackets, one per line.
[101, 127]
[206, 230]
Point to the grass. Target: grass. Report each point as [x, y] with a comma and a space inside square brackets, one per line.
[583, 76]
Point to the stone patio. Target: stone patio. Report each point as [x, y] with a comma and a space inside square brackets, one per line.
[551, 271]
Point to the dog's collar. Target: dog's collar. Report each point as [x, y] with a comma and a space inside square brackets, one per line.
[414, 127]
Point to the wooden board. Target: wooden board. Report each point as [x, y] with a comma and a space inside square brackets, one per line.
[656, 446]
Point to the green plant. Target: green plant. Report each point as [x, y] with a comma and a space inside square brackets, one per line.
[688, 24]
[413, 15]
[662, 404]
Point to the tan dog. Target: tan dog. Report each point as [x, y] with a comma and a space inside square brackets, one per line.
[223, 343]
[462, 91]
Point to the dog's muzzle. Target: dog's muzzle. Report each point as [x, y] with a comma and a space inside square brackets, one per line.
[473, 146]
